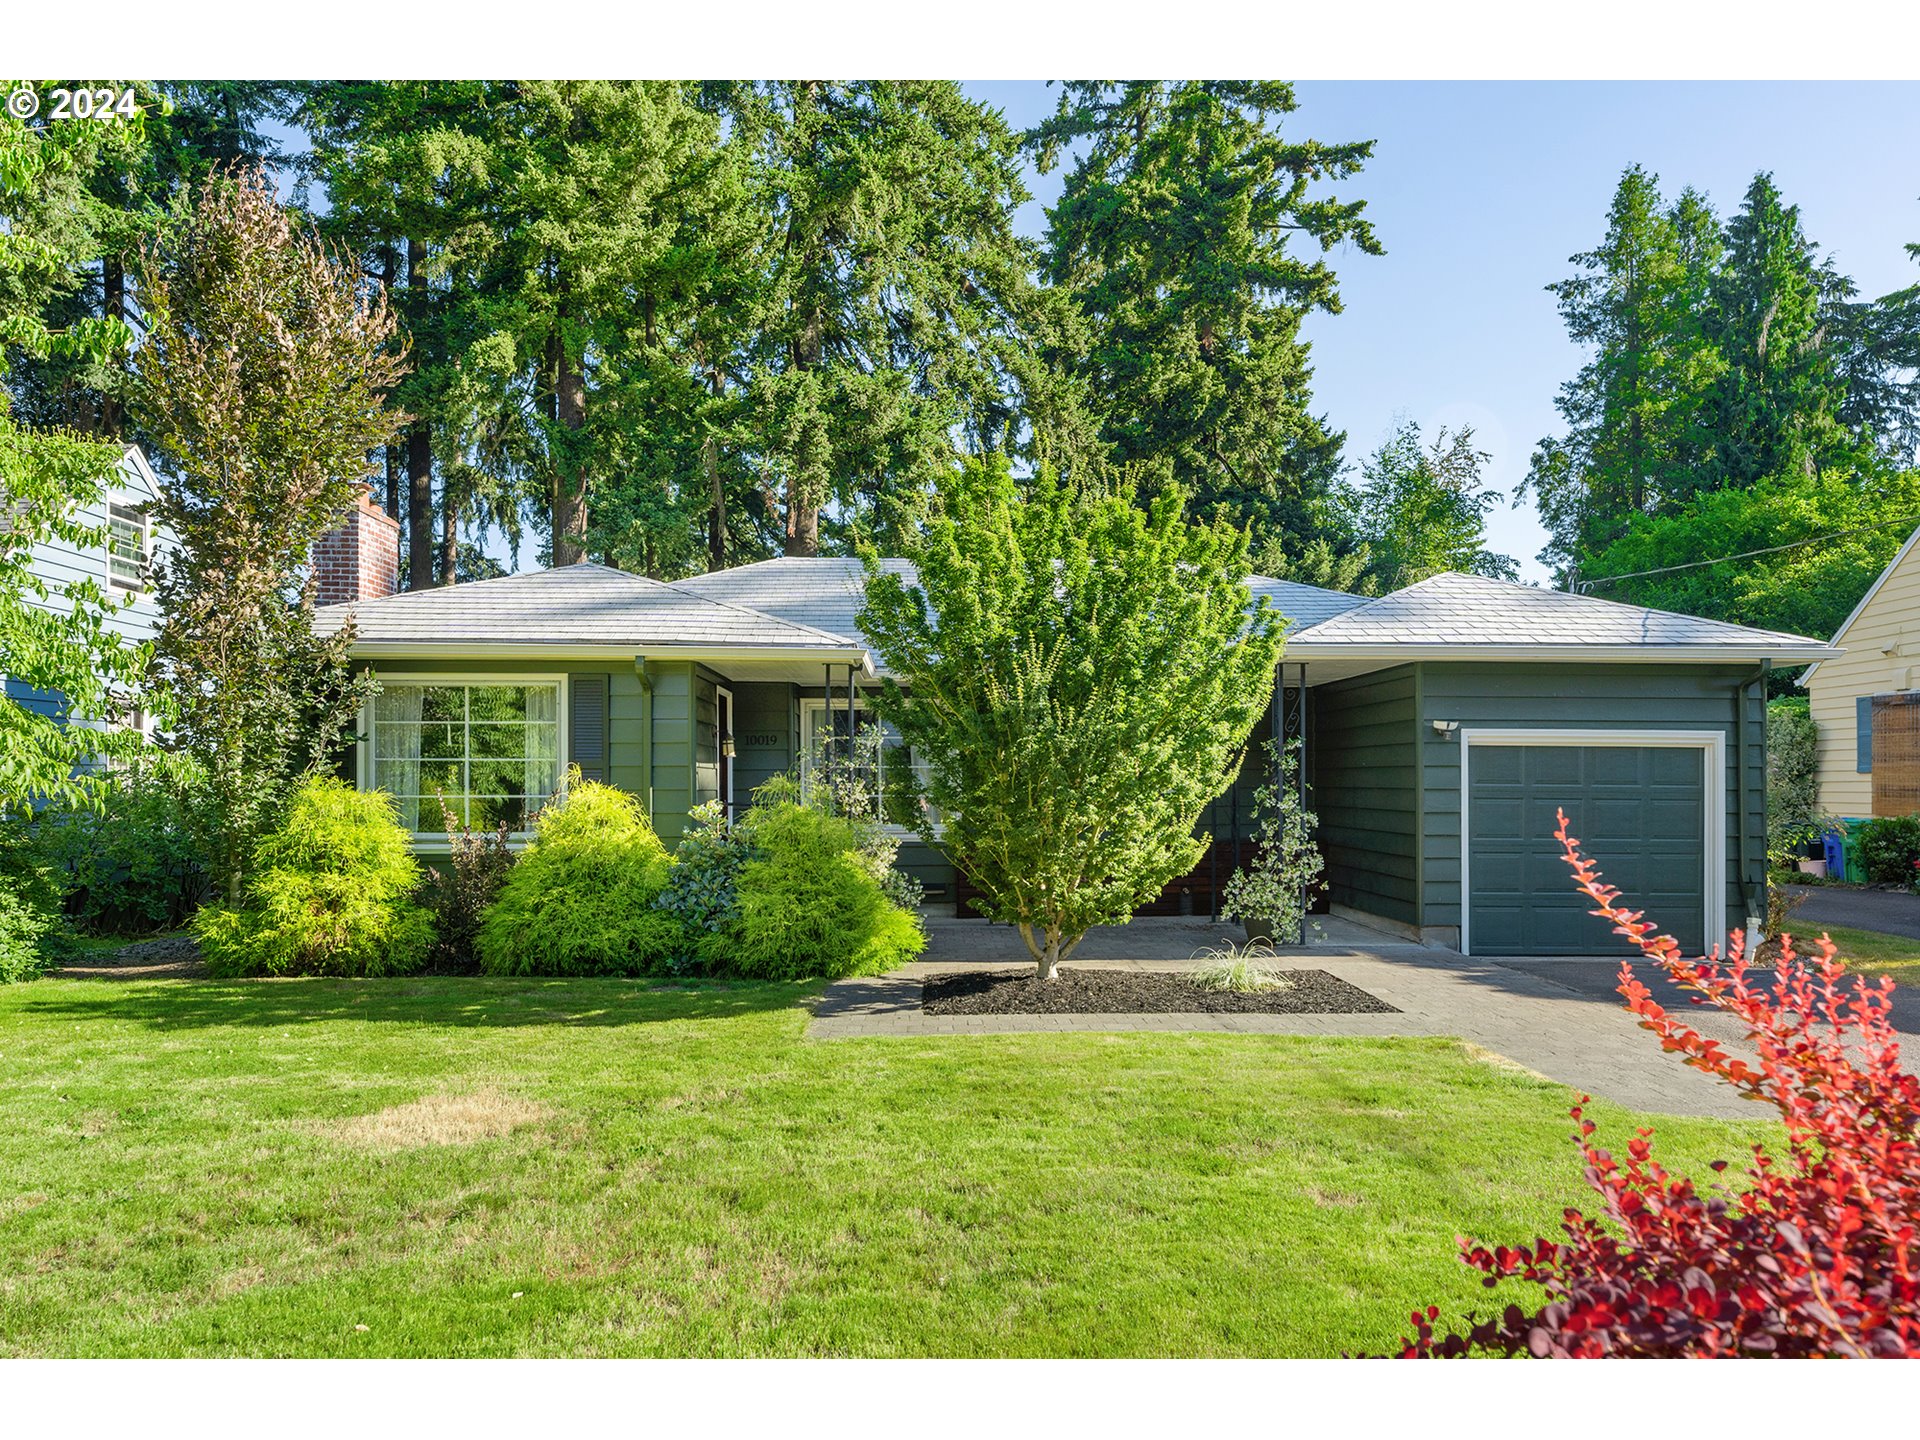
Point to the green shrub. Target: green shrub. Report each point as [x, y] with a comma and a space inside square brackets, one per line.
[33, 932]
[580, 900]
[1794, 816]
[1888, 848]
[808, 904]
[460, 890]
[703, 888]
[328, 893]
[132, 867]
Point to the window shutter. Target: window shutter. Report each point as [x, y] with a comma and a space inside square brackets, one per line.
[587, 726]
[1863, 735]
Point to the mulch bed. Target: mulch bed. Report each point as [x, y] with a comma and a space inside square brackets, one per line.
[1138, 992]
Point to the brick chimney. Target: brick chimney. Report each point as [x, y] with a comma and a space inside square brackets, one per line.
[360, 560]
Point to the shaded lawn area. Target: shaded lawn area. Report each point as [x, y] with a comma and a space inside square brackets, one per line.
[263, 1168]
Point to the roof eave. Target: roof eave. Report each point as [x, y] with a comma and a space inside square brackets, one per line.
[563, 650]
[1304, 648]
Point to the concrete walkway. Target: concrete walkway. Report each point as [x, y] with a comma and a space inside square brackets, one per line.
[1558, 1018]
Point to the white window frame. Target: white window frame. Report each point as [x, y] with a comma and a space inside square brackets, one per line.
[436, 840]
[1712, 745]
[812, 707]
[145, 516]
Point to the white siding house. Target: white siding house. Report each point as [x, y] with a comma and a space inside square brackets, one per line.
[122, 568]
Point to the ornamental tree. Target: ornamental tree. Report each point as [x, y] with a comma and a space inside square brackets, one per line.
[1816, 1256]
[263, 380]
[1076, 676]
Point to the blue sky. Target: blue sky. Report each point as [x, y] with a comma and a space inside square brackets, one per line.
[1480, 192]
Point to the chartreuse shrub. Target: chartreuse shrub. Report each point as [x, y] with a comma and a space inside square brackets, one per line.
[581, 899]
[328, 892]
[1889, 848]
[808, 905]
[1815, 1257]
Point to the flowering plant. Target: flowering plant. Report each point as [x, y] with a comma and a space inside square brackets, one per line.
[1818, 1256]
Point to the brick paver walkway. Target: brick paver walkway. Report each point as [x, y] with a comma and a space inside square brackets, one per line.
[1572, 1030]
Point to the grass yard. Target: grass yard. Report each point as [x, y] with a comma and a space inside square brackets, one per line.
[1869, 952]
[475, 1167]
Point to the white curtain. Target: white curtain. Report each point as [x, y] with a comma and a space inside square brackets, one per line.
[543, 746]
[396, 749]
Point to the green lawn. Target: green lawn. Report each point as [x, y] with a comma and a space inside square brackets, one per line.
[472, 1167]
[1870, 952]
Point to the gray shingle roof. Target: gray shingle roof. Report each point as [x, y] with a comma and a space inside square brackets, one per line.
[828, 592]
[585, 604]
[824, 592]
[1469, 610]
[1304, 605]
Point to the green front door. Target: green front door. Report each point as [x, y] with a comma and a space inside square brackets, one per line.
[1640, 813]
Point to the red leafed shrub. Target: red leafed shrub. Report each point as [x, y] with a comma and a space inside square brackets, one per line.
[1817, 1256]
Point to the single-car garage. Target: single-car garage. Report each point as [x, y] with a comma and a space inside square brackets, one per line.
[1642, 807]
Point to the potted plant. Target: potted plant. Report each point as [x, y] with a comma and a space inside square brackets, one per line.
[1269, 897]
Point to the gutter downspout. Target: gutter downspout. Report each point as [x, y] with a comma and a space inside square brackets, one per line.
[1753, 901]
[646, 728]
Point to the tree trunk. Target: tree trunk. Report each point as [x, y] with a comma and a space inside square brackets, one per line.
[716, 490]
[419, 464]
[1048, 951]
[570, 481]
[113, 304]
[449, 538]
[419, 506]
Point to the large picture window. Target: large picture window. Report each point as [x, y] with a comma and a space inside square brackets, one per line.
[883, 770]
[492, 750]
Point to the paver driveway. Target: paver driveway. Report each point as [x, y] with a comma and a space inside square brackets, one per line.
[1559, 1018]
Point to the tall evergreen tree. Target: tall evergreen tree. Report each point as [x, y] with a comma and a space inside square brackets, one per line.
[1176, 238]
[1778, 400]
[896, 300]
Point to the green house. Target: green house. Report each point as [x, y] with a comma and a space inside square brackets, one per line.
[1443, 726]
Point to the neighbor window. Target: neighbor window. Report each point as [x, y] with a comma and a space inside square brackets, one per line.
[882, 770]
[129, 547]
[492, 750]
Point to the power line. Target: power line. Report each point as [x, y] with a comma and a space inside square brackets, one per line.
[1581, 587]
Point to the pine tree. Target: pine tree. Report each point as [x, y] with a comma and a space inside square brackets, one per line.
[1178, 240]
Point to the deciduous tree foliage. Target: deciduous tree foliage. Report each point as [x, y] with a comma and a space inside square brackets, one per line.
[49, 479]
[1191, 236]
[263, 379]
[1079, 674]
[1422, 510]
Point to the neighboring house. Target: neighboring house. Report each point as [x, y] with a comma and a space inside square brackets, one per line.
[1866, 702]
[1443, 725]
[122, 567]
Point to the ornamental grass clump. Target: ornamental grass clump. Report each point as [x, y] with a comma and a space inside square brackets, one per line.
[328, 892]
[808, 904]
[1816, 1257]
[1244, 970]
[581, 898]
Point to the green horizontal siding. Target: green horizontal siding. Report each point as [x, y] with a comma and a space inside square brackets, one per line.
[1363, 760]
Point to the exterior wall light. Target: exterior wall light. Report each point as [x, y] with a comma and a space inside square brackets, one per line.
[1446, 727]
